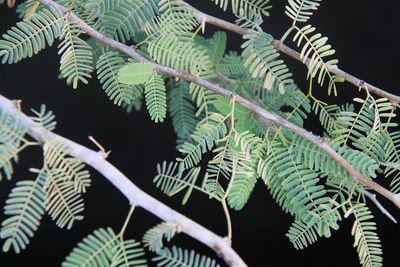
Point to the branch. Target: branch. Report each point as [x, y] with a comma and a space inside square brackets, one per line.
[205, 18]
[251, 106]
[135, 195]
[373, 198]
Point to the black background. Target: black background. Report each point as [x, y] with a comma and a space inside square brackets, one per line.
[365, 36]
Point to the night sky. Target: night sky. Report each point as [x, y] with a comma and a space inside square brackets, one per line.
[365, 35]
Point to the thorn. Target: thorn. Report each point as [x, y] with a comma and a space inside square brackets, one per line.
[203, 25]
[102, 150]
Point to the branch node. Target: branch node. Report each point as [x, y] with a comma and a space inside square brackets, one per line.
[104, 153]
[17, 104]
[373, 198]
[228, 241]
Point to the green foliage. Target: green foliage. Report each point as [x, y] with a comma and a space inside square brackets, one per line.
[123, 22]
[316, 49]
[311, 156]
[45, 118]
[29, 37]
[392, 160]
[76, 56]
[262, 61]
[128, 253]
[238, 146]
[296, 188]
[156, 98]
[135, 73]
[65, 181]
[207, 132]
[153, 238]
[366, 241]
[25, 205]
[108, 67]
[243, 177]
[182, 112]
[218, 44]
[232, 65]
[12, 142]
[246, 6]
[96, 249]
[304, 234]
[100, 7]
[176, 257]
[175, 19]
[301, 10]
[171, 179]
[374, 115]
[72, 169]
[170, 51]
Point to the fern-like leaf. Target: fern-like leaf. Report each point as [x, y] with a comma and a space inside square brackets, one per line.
[63, 203]
[156, 98]
[12, 142]
[128, 253]
[304, 234]
[301, 10]
[26, 205]
[45, 118]
[125, 20]
[153, 238]
[218, 44]
[232, 65]
[295, 187]
[108, 67]
[71, 169]
[310, 155]
[96, 249]
[29, 37]
[243, 178]
[170, 51]
[171, 179]
[135, 73]
[207, 133]
[314, 52]
[99, 7]
[245, 6]
[182, 111]
[76, 62]
[261, 58]
[178, 257]
[366, 240]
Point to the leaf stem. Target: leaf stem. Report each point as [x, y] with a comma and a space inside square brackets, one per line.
[128, 218]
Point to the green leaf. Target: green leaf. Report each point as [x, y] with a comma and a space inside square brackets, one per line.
[153, 239]
[26, 205]
[135, 73]
[156, 98]
[177, 257]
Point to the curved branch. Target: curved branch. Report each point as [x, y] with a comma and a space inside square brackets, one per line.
[251, 106]
[135, 195]
[205, 18]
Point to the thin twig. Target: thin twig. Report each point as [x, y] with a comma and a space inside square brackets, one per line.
[251, 106]
[373, 198]
[228, 219]
[294, 54]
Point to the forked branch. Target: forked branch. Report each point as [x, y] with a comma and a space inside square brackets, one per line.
[359, 83]
[251, 106]
[135, 195]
